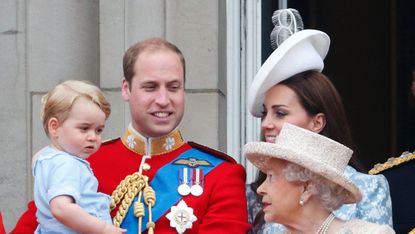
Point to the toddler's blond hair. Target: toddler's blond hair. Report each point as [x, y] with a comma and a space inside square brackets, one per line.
[58, 101]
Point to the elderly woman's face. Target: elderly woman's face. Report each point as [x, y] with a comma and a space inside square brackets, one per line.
[281, 105]
[280, 198]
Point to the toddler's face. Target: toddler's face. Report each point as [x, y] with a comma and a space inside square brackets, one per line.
[80, 134]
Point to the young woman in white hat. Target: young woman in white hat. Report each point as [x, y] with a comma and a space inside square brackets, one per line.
[290, 88]
[305, 183]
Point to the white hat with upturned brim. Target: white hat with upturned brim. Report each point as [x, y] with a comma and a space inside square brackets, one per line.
[302, 51]
[310, 150]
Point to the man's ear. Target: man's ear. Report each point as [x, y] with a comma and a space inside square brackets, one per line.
[318, 123]
[53, 125]
[125, 90]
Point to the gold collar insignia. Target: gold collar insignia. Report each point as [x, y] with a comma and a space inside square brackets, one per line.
[156, 146]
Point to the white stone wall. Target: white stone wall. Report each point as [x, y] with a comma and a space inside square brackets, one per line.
[14, 97]
[45, 42]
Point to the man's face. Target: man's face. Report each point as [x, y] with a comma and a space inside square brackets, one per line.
[156, 93]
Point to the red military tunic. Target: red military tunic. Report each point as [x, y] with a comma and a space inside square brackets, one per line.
[220, 209]
[2, 230]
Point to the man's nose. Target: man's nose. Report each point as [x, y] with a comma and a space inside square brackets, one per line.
[163, 97]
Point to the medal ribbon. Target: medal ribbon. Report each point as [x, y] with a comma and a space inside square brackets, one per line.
[166, 188]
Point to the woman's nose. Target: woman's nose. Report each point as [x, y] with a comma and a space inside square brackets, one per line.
[261, 189]
[266, 122]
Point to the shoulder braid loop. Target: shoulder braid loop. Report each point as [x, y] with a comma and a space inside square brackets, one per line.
[392, 162]
[134, 185]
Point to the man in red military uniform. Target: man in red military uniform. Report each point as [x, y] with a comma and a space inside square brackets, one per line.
[2, 230]
[158, 182]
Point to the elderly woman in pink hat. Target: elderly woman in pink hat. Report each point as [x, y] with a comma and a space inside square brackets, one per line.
[290, 88]
[305, 183]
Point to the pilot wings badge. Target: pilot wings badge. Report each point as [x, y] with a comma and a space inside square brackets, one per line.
[192, 162]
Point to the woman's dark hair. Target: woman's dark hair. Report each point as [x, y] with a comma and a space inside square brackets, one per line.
[317, 94]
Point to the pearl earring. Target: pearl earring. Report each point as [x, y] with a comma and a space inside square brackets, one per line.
[301, 202]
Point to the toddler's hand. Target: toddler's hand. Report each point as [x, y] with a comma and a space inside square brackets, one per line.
[110, 229]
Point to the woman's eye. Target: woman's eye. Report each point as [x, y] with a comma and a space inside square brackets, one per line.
[263, 114]
[281, 113]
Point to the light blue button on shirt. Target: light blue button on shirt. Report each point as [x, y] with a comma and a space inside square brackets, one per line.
[59, 173]
[375, 206]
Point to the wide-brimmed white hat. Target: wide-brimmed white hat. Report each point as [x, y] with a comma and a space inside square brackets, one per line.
[310, 150]
[302, 51]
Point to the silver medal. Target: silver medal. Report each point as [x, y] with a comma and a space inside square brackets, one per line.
[196, 190]
[197, 182]
[183, 189]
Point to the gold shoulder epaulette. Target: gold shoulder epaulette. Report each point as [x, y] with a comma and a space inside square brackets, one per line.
[392, 162]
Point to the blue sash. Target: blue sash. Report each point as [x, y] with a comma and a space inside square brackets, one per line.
[165, 184]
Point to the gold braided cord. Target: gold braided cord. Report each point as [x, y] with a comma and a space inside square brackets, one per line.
[149, 196]
[125, 204]
[412, 231]
[139, 212]
[121, 190]
[150, 227]
[150, 200]
[130, 187]
[392, 162]
[139, 209]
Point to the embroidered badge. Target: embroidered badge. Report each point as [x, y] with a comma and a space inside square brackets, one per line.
[181, 217]
[169, 143]
[131, 142]
[192, 162]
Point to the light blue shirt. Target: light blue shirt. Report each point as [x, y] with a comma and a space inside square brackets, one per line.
[59, 173]
[375, 206]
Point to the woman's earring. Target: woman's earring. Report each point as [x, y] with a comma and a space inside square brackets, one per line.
[301, 202]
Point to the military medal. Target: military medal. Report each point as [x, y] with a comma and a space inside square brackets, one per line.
[183, 188]
[181, 217]
[197, 182]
